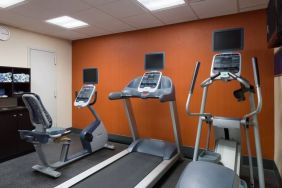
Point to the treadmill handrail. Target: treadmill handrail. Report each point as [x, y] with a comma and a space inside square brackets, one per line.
[116, 95]
[164, 95]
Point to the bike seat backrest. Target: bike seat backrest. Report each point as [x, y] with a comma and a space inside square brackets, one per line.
[39, 116]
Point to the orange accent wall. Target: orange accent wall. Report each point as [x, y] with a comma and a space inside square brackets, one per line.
[120, 58]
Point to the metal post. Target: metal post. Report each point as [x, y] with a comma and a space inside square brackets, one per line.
[199, 130]
[41, 154]
[64, 152]
[175, 123]
[131, 119]
[249, 156]
[208, 137]
[257, 142]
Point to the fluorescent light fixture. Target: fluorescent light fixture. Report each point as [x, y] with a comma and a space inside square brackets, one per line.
[67, 22]
[8, 3]
[153, 5]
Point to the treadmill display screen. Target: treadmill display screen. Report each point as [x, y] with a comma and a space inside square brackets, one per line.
[90, 76]
[150, 80]
[154, 61]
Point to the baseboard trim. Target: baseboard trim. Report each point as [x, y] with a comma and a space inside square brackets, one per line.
[187, 151]
[112, 137]
[120, 139]
[267, 164]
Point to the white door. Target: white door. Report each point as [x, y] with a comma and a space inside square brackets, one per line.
[43, 79]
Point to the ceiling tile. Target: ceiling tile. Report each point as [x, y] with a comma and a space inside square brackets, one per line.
[243, 4]
[122, 8]
[10, 18]
[98, 2]
[256, 7]
[102, 20]
[62, 6]
[91, 31]
[72, 35]
[33, 11]
[93, 16]
[176, 15]
[115, 26]
[143, 21]
[213, 8]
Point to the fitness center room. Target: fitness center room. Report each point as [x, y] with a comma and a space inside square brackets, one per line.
[141, 93]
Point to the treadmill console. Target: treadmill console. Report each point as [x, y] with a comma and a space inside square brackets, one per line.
[150, 82]
[84, 96]
[225, 63]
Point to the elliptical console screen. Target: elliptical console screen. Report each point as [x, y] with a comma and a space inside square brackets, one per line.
[84, 96]
[225, 63]
[150, 81]
[154, 61]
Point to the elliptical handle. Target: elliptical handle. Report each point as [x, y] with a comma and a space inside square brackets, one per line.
[256, 71]
[95, 99]
[258, 89]
[194, 78]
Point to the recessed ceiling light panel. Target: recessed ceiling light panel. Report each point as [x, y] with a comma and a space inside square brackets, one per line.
[67, 22]
[153, 5]
[8, 3]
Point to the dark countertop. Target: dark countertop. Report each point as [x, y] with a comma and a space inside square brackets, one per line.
[13, 108]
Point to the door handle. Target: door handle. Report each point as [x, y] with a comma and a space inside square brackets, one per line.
[55, 93]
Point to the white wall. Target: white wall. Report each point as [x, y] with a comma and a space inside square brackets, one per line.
[14, 52]
[278, 121]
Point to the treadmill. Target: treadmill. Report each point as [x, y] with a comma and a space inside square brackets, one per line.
[145, 161]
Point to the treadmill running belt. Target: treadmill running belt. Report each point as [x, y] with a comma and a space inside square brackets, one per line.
[124, 173]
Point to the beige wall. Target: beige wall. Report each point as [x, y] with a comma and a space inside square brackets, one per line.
[14, 52]
[278, 121]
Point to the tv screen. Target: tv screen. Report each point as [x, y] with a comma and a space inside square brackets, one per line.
[228, 40]
[90, 76]
[154, 61]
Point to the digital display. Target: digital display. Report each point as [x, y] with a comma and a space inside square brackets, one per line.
[90, 76]
[150, 80]
[228, 40]
[224, 63]
[85, 93]
[154, 61]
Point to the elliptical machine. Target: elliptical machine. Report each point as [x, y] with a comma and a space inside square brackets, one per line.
[93, 137]
[220, 168]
